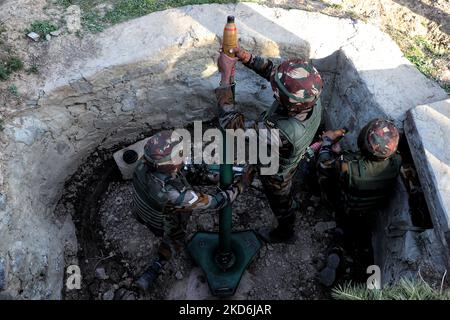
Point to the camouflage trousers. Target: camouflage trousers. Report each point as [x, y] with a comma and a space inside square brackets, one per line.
[278, 190]
[173, 235]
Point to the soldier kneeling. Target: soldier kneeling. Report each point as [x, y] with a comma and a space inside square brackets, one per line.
[163, 198]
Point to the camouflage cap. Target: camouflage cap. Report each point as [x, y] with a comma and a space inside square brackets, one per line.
[380, 138]
[162, 149]
[296, 84]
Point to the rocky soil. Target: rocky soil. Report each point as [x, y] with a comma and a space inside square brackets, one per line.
[115, 248]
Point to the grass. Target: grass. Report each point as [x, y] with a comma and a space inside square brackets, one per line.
[42, 27]
[124, 10]
[9, 66]
[33, 69]
[13, 90]
[336, 6]
[129, 9]
[405, 289]
[422, 53]
[2, 122]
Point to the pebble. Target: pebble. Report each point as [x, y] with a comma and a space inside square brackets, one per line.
[100, 273]
[55, 33]
[119, 200]
[315, 200]
[48, 37]
[324, 226]
[33, 35]
[179, 275]
[129, 296]
[108, 295]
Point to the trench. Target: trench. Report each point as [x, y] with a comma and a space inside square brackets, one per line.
[129, 82]
[97, 191]
[94, 192]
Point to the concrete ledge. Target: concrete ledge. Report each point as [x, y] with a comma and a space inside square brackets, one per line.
[427, 128]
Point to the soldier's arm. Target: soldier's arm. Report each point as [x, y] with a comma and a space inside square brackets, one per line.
[262, 66]
[229, 117]
[191, 200]
[199, 174]
[328, 162]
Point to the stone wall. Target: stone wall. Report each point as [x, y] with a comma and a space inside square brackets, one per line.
[159, 71]
[427, 128]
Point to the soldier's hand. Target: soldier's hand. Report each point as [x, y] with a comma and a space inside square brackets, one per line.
[333, 135]
[227, 67]
[243, 55]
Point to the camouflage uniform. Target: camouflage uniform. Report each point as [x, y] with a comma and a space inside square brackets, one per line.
[296, 113]
[163, 202]
[366, 177]
[354, 184]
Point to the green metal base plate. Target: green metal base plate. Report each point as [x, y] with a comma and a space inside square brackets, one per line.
[203, 248]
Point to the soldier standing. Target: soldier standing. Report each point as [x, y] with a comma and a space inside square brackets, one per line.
[296, 113]
[357, 183]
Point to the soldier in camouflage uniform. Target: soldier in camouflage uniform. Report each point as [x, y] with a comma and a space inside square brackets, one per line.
[163, 197]
[357, 183]
[296, 113]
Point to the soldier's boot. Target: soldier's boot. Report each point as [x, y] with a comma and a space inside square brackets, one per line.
[327, 275]
[146, 280]
[284, 232]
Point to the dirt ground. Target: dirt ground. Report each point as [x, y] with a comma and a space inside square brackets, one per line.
[114, 248]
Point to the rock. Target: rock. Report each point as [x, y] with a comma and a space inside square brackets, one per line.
[179, 275]
[26, 129]
[34, 36]
[315, 200]
[128, 103]
[119, 200]
[48, 37]
[108, 295]
[55, 33]
[73, 18]
[100, 273]
[129, 295]
[310, 210]
[324, 226]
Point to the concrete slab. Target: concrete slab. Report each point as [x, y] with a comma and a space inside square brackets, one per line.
[427, 128]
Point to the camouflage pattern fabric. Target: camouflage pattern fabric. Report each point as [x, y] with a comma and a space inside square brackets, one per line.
[278, 188]
[355, 182]
[162, 149]
[278, 191]
[380, 138]
[181, 201]
[296, 84]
